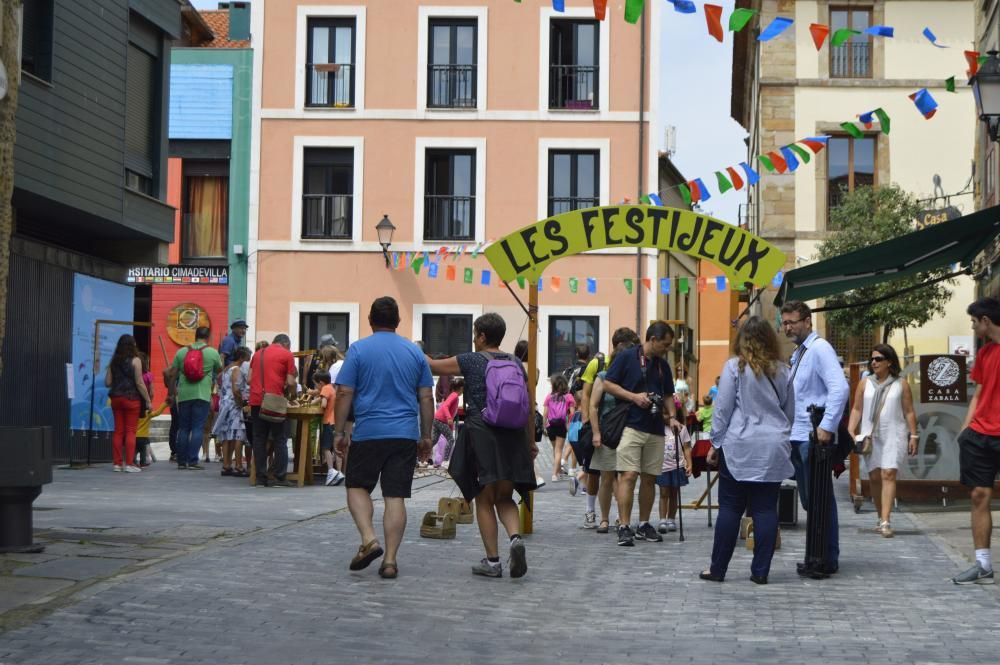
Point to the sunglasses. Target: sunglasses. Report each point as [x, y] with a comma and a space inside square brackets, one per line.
[878, 359]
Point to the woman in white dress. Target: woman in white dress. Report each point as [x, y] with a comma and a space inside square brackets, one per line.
[883, 410]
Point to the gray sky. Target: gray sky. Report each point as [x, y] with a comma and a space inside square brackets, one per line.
[694, 97]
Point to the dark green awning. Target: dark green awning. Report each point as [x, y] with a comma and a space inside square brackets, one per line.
[956, 241]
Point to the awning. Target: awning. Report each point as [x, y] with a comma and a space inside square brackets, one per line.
[956, 241]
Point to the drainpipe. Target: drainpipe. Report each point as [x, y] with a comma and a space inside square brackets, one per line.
[642, 165]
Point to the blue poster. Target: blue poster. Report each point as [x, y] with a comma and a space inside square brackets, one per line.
[96, 299]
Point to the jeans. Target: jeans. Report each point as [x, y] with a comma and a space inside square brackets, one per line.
[263, 430]
[192, 415]
[800, 460]
[735, 497]
[126, 412]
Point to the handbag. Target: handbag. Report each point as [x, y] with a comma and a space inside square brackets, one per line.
[612, 424]
[273, 407]
[864, 447]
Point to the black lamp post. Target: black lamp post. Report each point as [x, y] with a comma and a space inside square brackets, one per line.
[986, 89]
[385, 229]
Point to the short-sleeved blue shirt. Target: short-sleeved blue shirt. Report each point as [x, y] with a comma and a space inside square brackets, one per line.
[626, 371]
[385, 371]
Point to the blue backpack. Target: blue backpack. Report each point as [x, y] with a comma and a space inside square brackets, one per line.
[507, 403]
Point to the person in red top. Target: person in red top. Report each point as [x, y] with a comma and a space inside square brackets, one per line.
[979, 442]
[276, 376]
[444, 417]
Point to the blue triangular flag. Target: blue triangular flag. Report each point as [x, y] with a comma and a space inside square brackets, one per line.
[778, 279]
[485, 279]
[775, 28]
[591, 285]
[665, 285]
[790, 159]
[432, 270]
[931, 38]
[752, 176]
[539, 284]
[720, 283]
[559, 5]
[703, 189]
[655, 198]
[684, 6]
[880, 31]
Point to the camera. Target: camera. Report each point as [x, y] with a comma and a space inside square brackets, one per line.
[655, 403]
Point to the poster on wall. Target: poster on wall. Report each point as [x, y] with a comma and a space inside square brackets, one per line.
[95, 299]
[184, 319]
[943, 379]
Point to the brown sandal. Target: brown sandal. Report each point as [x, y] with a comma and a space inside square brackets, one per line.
[388, 571]
[366, 554]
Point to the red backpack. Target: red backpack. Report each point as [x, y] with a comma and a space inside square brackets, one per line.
[194, 365]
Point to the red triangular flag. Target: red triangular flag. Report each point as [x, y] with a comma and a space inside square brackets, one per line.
[695, 191]
[972, 57]
[600, 9]
[819, 33]
[713, 17]
[735, 177]
[648, 283]
[815, 146]
[778, 161]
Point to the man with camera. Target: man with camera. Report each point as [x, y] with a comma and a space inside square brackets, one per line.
[642, 377]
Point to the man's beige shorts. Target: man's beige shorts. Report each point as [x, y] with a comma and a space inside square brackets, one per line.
[640, 452]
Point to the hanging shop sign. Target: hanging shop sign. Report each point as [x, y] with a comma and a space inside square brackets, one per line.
[184, 319]
[943, 379]
[178, 275]
[932, 217]
[742, 256]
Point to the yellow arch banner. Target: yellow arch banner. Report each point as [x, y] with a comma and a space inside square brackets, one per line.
[742, 256]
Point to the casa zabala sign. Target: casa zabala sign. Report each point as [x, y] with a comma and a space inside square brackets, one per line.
[742, 256]
[177, 274]
[942, 379]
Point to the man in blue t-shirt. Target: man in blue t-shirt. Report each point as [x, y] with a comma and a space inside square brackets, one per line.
[388, 382]
[642, 376]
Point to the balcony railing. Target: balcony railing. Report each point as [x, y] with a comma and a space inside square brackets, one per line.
[330, 85]
[851, 60]
[573, 87]
[559, 205]
[449, 217]
[327, 216]
[451, 86]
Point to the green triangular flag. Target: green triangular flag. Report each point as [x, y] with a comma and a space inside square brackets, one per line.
[682, 285]
[738, 286]
[852, 130]
[724, 185]
[645, 200]
[633, 10]
[739, 18]
[417, 262]
[468, 275]
[981, 59]
[842, 35]
[883, 119]
[573, 284]
[949, 84]
[520, 281]
[685, 193]
[801, 152]
[628, 285]
[766, 161]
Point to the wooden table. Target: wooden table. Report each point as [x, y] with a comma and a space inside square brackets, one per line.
[302, 455]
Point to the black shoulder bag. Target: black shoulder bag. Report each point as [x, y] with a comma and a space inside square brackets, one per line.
[612, 424]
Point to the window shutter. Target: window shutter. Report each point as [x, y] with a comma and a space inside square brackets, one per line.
[139, 116]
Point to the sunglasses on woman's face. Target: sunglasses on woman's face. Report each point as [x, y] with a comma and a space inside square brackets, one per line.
[878, 359]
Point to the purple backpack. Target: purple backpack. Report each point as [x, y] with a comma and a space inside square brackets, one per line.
[507, 402]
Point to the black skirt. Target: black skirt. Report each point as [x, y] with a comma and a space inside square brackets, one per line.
[484, 455]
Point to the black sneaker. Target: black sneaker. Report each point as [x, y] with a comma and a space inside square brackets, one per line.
[195, 467]
[647, 531]
[281, 482]
[182, 467]
[625, 538]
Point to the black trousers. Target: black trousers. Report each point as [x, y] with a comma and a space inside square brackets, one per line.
[264, 430]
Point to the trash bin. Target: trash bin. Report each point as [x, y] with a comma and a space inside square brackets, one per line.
[25, 465]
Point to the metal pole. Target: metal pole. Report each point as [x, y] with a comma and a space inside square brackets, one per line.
[527, 505]
[677, 465]
[642, 165]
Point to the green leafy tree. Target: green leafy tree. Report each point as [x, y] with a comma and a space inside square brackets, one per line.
[10, 40]
[867, 216]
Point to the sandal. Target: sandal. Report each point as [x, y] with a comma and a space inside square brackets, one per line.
[366, 554]
[603, 527]
[388, 571]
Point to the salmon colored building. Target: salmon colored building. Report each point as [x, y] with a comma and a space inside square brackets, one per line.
[461, 121]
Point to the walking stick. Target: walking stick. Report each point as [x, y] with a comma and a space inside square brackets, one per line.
[677, 466]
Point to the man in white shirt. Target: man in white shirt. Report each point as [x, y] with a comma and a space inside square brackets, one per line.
[818, 379]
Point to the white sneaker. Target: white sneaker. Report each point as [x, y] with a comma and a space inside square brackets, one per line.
[331, 476]
[117, 467]
[339, 479]
[132, 469]
[539, 482]
[671, 526]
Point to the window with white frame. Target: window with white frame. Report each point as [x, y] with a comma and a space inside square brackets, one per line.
[327, 193]
[574, 69]
[574, 180]
[313, 325]
[452, 63]
[565, 334]
[450, 194]
[446, 334]
[330, 62]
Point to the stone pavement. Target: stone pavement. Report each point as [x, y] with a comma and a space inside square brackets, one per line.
[260, 576]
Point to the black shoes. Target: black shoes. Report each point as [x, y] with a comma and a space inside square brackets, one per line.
[758, 579]
[708, 576]
[646, 531]
[816, 573]
[625, 537]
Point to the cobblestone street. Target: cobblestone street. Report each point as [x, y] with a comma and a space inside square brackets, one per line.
[283, 594]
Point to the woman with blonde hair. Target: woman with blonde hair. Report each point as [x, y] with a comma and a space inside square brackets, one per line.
[751, 425]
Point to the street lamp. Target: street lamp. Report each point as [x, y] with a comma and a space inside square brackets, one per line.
[986, 89]
[384, 229]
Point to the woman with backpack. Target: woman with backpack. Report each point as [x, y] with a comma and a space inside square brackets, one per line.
[557, 410]
[128, 396]
[494, 454]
